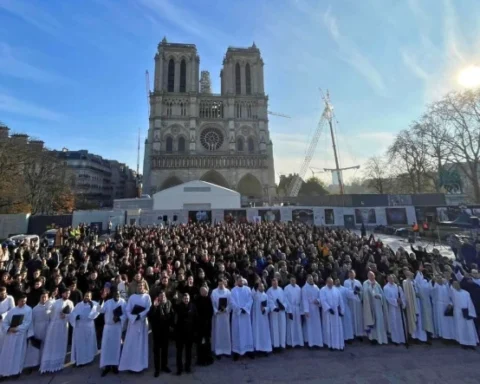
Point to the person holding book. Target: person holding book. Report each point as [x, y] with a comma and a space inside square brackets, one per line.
[56, 341]
[115, 323]
[135, 349]
[15, 326]
[221, 339]
[84, 338]
[260, 323]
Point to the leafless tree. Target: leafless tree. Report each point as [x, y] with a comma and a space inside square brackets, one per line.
[377, 175]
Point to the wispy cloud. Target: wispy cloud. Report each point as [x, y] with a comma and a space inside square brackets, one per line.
[15, 106]
[412, 64]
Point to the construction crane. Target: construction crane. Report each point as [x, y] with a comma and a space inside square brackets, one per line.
[278, 114]
[316, 170]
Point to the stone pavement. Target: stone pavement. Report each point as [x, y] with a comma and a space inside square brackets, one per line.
[360, 363]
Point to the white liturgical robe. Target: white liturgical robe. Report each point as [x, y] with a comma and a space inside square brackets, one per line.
[395, 316]
[331, 300]
[135, 349]
[293, 299]
[347, 319]
[424, 289]
[355, 305]
[311, 309]
[278, 320]
[84, 337]
[465, 332]
[12, 356]
[221, 335]
[112, 333]
[242, 336]
[441, 299]
[55, 346]
[260, 323]
[374, 312]
[414, 304]
[5, 306]
[39, 325]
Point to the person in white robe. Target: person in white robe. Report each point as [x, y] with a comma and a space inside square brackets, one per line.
[425, 293]
[355, 304]
[278, 319]
[441, 300]
[262, 341]
[241, 301]
[414, 319]
[6, 304]
[374, 311]
[112, 332]
[333, 311]
[311, 311]
[396, 304]
[463, 315]
[84, 337]
[39, 326]
[12, 356]
[221, 331]
[135, 349]
[293, 299]
[56, 341]
[347, 320]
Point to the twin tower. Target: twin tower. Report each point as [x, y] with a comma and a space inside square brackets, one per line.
[198, 135]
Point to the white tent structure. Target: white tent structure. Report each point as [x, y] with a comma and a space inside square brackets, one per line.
[196, 195]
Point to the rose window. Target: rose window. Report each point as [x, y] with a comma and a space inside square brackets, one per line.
[211, 139]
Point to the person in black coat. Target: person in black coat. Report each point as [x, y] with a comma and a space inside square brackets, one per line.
[204, 327]
[160, 318]
[185, 322]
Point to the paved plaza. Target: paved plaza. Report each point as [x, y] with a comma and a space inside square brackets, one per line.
[359, 363]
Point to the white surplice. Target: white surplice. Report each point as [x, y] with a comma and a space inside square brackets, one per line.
[425, 292]
[331, 299]
[278, 320]
[135, 349]
[112, 333]
[12, 356]
[56, 341]
[441, 299]
[5, 305]
[84, 337]
[242, 335]
[293, 299]
[355, 305]
[420, 333]
[39, 326]
[378, 307]
[347, 319]
[221, 331]
[396, 316]
[260, 322]
[311, 308]
[465, 332]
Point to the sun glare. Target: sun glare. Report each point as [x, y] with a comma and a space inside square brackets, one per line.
[470, 77]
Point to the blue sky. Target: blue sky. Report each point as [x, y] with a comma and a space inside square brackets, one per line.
[72, 72]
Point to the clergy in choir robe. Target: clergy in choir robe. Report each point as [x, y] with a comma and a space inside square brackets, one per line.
[84, 338]
[333, 311]
[441, 300]
[56, 341]
[374, 311]
[6, 304]
[463, 316]
[414, 318]
[347, 320]
[12, 356]
[355, 303]
[260, 323]
[311, 311]
[425, 293]
[135, 349]
[278, 319]
[241, 301]
[39, 326]
[112, 332]
[221, 335]
[293, 299]
[396, 304]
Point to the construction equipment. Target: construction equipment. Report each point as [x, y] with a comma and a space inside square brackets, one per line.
[278, 114]
[316, 170]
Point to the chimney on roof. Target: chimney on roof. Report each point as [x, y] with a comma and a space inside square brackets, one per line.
[4, 131]
[19, 138]
[36, 144]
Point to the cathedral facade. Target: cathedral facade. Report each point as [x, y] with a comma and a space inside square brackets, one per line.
[197, 135]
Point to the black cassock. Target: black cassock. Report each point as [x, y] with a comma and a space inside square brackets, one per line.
[204, 330]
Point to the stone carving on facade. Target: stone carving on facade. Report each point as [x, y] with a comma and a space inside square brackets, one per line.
[156, 135]
[186, 124]
[215, 162]
[245, 131]
[237, 125]
[164, 124]
[175, 130]
[192, 137]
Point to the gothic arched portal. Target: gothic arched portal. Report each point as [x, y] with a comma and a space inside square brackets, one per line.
[170, 182]
[249, 186]
[215, 178]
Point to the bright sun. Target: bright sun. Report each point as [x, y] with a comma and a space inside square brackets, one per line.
[470, 77]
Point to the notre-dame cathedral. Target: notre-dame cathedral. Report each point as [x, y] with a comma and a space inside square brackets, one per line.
[198, 135]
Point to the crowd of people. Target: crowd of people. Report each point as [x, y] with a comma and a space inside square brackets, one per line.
[228, 289]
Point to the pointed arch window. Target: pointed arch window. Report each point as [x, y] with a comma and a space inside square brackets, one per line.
[248, 80]
[181, 144]
[183, 76]
[240, 144]
[251, 145]
[238, 80]
[169, 144]
[171, 76]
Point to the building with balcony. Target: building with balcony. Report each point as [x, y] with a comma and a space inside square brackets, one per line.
[196, 135]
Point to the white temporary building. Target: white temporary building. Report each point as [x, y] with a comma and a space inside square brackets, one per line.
[196, 195]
